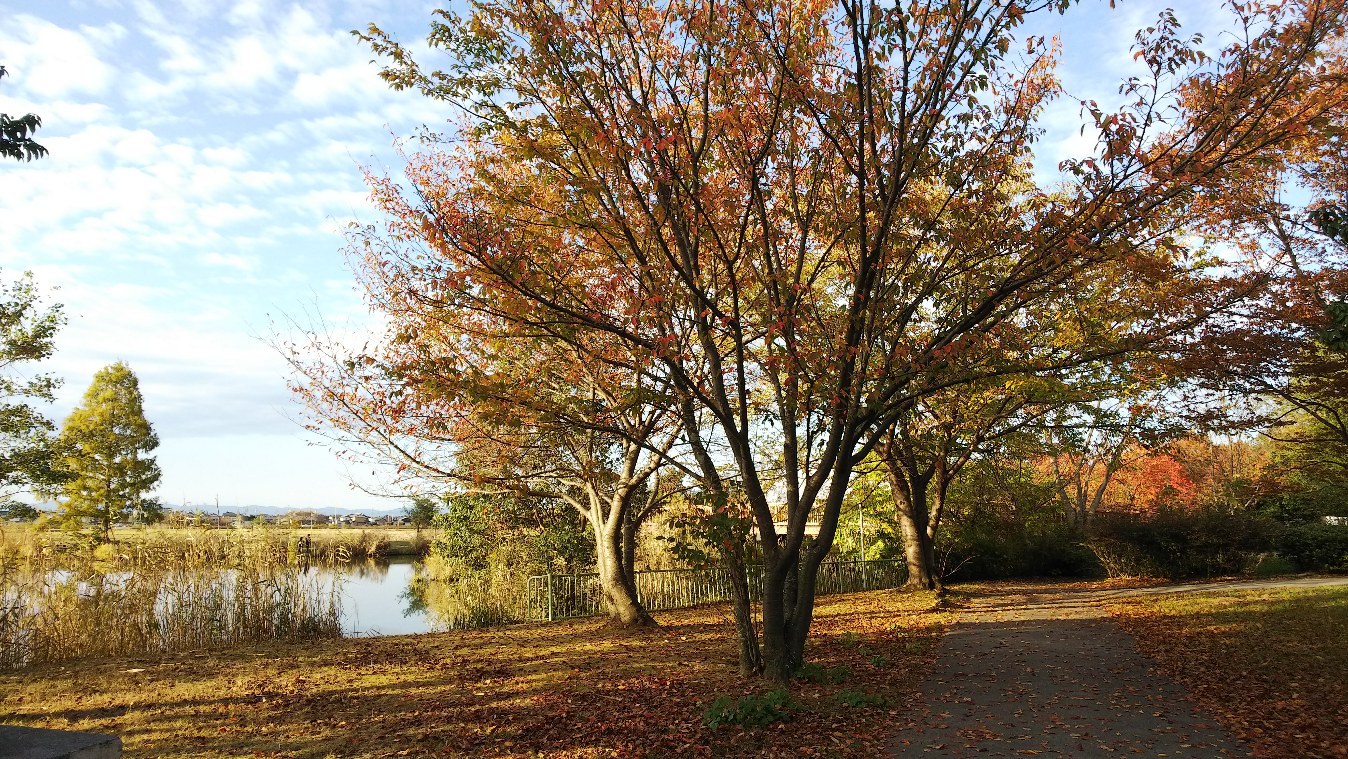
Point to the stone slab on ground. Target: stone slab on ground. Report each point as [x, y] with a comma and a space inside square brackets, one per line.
[1048, 673]
[36, 743]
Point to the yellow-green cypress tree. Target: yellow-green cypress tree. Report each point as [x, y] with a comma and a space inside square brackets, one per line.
[107, 443]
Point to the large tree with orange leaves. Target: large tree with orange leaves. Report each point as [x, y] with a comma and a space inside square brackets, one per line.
[792, 221]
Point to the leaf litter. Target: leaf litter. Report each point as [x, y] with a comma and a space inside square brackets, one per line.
[577, 689]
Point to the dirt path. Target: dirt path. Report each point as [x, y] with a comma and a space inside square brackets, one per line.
[1041, 670]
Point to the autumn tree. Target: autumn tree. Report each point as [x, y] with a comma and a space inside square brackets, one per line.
[926, 449]
[775, 192]
[106, 445]
[461, 395]
[1284, 353]
[1088, 445]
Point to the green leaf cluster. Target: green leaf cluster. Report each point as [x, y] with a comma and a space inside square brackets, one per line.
[753, 710]
[16, 135]
[27, 334]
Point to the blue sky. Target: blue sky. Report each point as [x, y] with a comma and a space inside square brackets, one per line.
[204, 160]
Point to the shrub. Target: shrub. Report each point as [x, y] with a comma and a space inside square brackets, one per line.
[1002, 520]
[1272, 565]
[1181, 544]
[1314, 545]
[995, 549]
[753, 710]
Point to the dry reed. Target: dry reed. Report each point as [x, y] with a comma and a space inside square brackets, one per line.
[156, 596]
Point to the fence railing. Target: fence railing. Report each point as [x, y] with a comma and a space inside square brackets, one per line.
[549, 597]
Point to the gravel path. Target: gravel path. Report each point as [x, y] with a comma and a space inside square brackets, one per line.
[1037, 670]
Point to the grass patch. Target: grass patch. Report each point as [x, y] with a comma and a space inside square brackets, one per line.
[1270, 663]
[569, 690]
[858, 700]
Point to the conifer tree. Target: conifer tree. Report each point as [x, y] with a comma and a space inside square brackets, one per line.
[106, 445]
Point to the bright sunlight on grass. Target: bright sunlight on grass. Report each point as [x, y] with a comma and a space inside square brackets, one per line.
[1272, 664]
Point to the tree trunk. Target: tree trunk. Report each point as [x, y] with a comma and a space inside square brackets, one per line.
[614, 565]
[918, 552]
[909, 491]
[778, 662]
[751, 655]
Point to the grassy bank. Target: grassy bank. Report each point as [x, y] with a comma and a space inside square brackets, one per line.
[570, 689]
[161, 544]
[1271, 664]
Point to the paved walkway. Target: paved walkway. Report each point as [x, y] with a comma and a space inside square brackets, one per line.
[1037, 670]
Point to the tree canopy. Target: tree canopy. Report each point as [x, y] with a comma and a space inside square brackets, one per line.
[27, 334]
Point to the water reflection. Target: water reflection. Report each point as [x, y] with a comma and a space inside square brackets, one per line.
[375, 598]
[383, 598]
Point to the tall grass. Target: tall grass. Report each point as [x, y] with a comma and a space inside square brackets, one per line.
[160, 545]
[150, 602]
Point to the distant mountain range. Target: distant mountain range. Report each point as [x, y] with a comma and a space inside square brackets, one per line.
[278, 510]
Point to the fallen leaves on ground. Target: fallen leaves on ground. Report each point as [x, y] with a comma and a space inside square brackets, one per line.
[1270, 663]
[578, 689]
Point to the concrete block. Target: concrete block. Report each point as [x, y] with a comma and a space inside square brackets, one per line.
[36, 743]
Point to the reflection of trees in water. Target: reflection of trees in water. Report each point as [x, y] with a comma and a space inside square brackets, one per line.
[467, 601]
[371, 570]
[414, 595]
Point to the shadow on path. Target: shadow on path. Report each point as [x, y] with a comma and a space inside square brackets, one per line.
[1034, 670]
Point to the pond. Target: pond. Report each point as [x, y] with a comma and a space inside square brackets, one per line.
[382, 599]
[51, 614]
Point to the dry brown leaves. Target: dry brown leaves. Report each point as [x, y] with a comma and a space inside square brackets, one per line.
[1271, 664]
[569, 690]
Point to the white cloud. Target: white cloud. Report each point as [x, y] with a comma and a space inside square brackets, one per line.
[226, 156]
[65, 113]
[246, 63]
[236, 262]
[352, 81]
[199, 184]
[48, 61]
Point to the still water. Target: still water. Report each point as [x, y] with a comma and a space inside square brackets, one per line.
[381, 599]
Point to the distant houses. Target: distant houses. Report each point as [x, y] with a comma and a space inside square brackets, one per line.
[299, 519]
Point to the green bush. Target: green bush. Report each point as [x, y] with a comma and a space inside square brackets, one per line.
[1181, 544]
[753, 710]
[1314, 545]
[1273, 565]
[995, 549]
[1002, 520]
